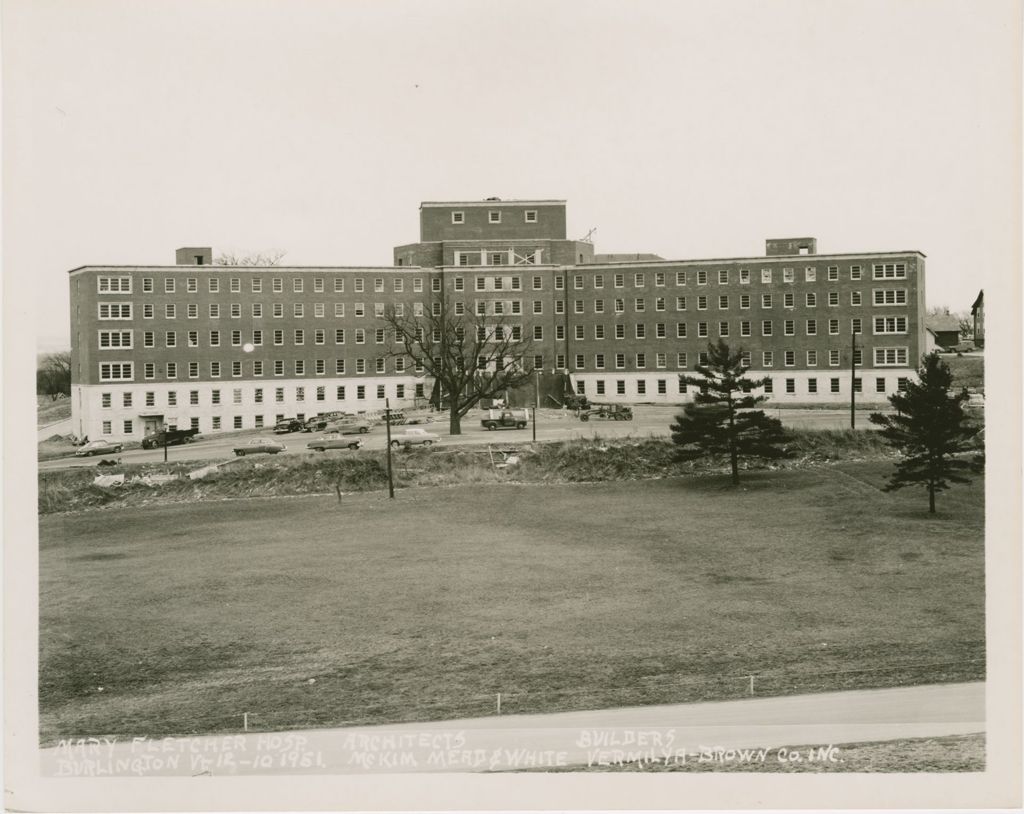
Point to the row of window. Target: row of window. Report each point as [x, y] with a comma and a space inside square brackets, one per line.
[258, 394]
[124, 371]
[123, 284]
[123, 310]
[661, 385]
[493, 216]
[884, 357]
[122, 340]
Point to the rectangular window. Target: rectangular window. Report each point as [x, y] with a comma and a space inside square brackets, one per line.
[641, 331]
[833, 273]
[833, 358]
[767, 358]
[766, 300]
[889, 296]
[788, 275]
[855, 273]
[723, 276]
[790, 385]
[856, 326]
[120, 339]
[702, 303]
[889, 271]
[789, 358]
[147, 285]
[766, 327]
[702, 278]
[855, 298]
[744, 276]
[680, 330]
[116, 310]
[766, 275]
[812, 327]
[641, 387]
[833, 327]
[723, 328]
[680, 303]
[890, 357]
[833, 298]
[833, 385]
[810, 299]
[116, 371]
[680, 278]
[890, 325]
[681, 360]
[638, 279]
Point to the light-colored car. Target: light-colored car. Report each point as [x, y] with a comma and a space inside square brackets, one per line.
[349, 427]
[98, 448]
[413, 436]
[334, 440]
[257, 445]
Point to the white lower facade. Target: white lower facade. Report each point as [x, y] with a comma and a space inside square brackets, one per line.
[128, 411]
[825, 386]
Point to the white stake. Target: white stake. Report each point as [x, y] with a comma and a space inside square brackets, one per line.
[751, 685]
[245, 721]
[499, 703]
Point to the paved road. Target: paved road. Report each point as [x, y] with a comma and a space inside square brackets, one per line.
[674, 732]
[552, 425]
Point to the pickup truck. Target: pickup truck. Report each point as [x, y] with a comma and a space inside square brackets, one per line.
[505, 419]
[156, 439]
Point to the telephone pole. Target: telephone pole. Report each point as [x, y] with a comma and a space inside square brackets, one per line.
[387, 429]
[853, 379]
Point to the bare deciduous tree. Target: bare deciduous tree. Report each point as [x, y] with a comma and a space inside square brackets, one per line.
[53, 375]
[470, 356]
[269, 257]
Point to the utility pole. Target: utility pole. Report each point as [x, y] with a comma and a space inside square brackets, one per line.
[387, 429]
[165, 443]
[536, 400]
[853, 378]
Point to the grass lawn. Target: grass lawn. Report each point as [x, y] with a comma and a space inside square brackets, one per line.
[49, 411]
[968, 371]
[309, 612]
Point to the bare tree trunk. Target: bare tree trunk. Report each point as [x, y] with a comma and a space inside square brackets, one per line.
[931, 498]
[454, 422]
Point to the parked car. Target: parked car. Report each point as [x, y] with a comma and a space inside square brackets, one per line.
[318, 423]
[413, 436]
[98, 448]
[334, 440]
[169, 438]
[349, 427]
[256, 445]
[289, 425]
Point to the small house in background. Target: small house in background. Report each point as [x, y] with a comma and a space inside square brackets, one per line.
[943, 331]
[978, 314]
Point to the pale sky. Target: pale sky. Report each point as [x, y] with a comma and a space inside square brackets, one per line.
[688, 129]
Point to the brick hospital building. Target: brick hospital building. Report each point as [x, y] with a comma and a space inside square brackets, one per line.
[232, 347]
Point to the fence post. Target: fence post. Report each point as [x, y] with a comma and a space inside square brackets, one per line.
[499, 703]
[751, 685]
[245, 721]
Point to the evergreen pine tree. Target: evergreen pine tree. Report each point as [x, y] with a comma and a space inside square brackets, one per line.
[930, 430]
[721, 420]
